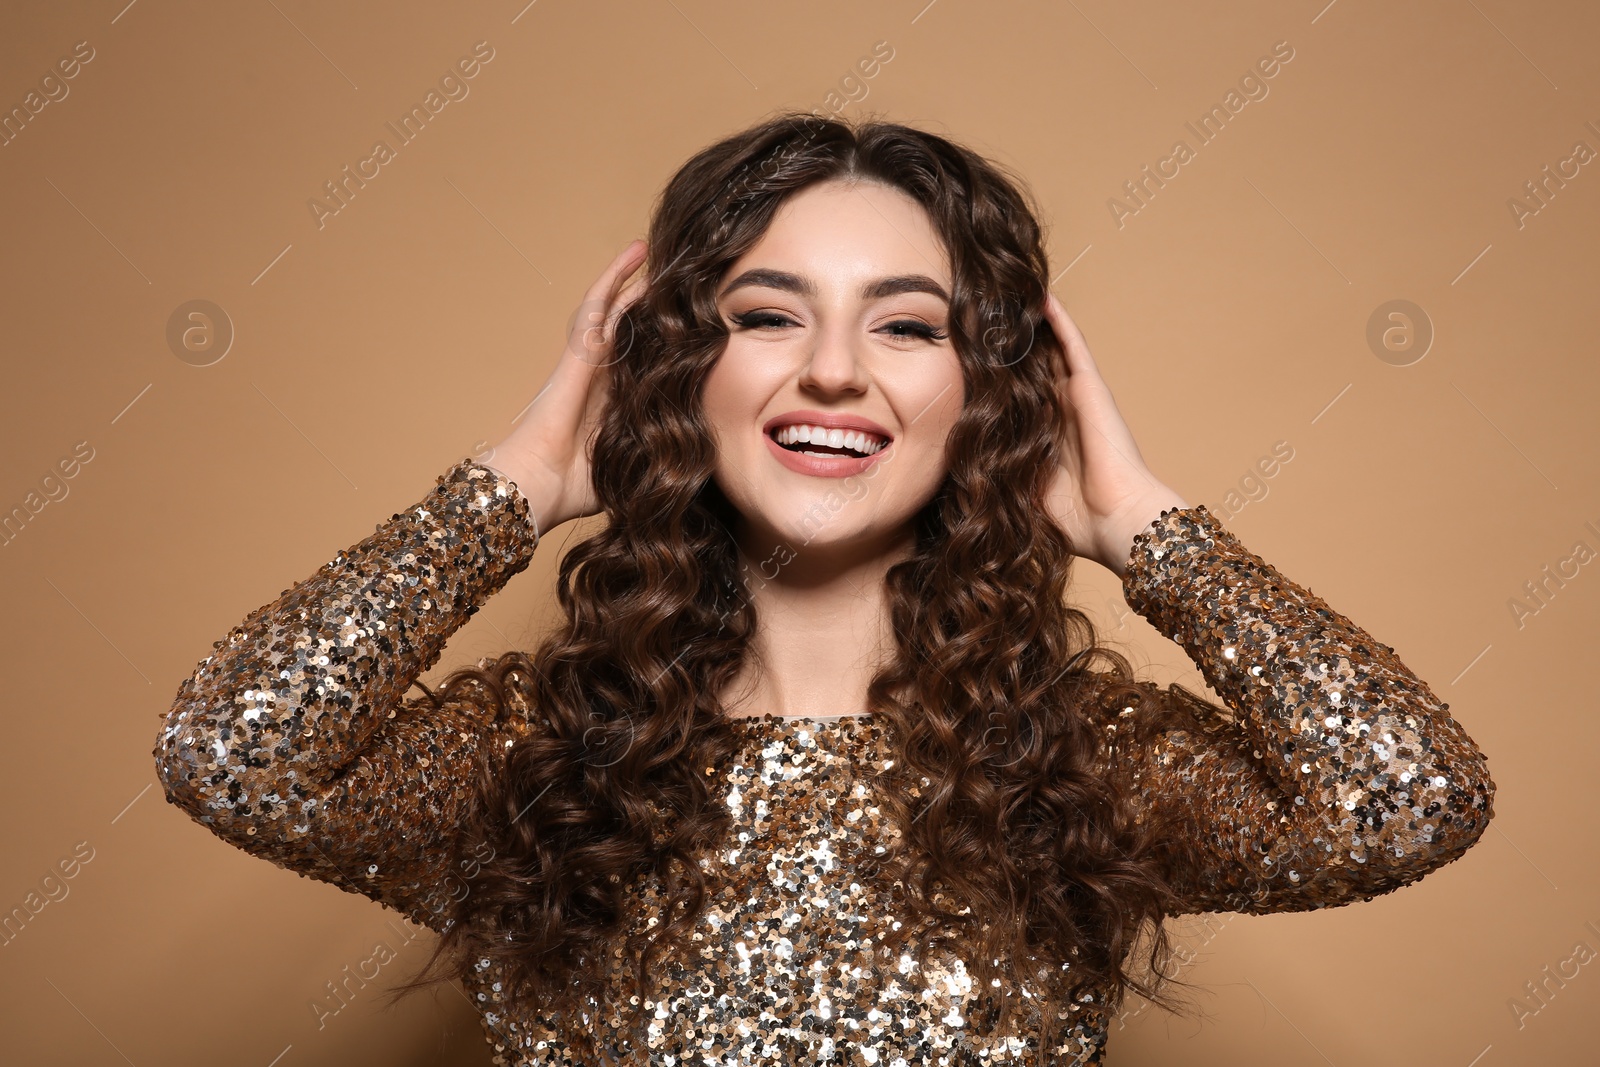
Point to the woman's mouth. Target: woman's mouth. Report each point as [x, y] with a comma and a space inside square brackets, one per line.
[824, 452]
[820, 441]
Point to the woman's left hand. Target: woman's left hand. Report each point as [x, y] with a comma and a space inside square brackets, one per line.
[1102, 494]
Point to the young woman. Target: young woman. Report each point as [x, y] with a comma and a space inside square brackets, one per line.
[821, 767]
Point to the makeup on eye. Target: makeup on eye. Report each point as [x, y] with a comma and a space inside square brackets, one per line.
[761, 320]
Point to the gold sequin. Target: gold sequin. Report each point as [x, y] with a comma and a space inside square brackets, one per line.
[1333, 774]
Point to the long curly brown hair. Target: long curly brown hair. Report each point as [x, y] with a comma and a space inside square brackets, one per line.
[1014, 848]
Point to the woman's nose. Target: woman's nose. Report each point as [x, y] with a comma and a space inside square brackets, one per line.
[834, 365]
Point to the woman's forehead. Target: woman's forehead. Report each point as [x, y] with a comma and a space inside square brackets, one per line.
[847, 235]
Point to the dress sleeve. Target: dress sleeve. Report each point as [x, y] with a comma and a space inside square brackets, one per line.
[1332, 775]
[292, 740]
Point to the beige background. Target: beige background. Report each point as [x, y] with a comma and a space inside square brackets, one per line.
[1229, 313]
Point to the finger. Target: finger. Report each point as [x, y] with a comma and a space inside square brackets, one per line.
[625, 291]
[623, 264]
[623, 301]
[589, 333]
[1081, 376]
[1079, 359]
[629, 264]
[601, 319]
[1084, 378]
[1101, 410]
[599, 297]
[569, 383]
[606, 352]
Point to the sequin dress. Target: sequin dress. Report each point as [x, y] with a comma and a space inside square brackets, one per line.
[1333, 774]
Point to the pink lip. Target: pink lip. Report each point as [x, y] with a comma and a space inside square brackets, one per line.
[820, 466]
[824, 466]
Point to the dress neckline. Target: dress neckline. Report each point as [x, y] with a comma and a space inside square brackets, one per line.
[858, 718]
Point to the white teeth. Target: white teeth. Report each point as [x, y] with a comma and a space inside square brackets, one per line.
[856, 440]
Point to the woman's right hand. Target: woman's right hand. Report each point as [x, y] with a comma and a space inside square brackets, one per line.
[547, 452]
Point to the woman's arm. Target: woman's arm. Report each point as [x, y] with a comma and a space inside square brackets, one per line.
[1334, 774]
[292, 740]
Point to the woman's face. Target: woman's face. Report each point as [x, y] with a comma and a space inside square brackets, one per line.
[838, 321]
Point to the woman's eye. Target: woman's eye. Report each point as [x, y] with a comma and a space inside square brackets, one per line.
[914, 328]
[756, 320]
[901, 328]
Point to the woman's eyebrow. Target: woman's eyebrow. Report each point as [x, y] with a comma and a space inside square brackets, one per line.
[875, 290]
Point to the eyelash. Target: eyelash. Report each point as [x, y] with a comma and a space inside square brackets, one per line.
[918, 329]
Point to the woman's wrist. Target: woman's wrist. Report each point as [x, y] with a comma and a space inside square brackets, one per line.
[1135, 522]
[542, 512]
